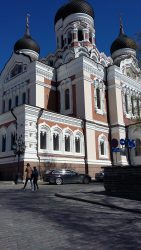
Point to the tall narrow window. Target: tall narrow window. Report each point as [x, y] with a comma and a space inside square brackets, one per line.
[62, 41]
[16, 101]
[138, 147]
[51, 63]
[9, 104]
[69, 37]
[13, 138]
[77, 144]
[90, 37]
[102, 147]
[80, 35]
[132, 103]
[55, 142]
[138, 107]
[67, 143]
[126, 104]
[67, 99]
[43, 142]
[98, 98]
[28, 96]
[3, 143]
[24, 98]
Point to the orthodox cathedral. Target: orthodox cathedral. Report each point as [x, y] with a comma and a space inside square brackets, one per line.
[64, 110]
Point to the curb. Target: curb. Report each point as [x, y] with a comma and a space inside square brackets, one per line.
[97, 203]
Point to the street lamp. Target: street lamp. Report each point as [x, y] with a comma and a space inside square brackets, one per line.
[19, 149]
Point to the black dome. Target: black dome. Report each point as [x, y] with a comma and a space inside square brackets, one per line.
[26, 43]
[122, 42]
[74, 6]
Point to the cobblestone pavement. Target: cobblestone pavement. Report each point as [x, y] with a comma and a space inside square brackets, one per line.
[41, 221]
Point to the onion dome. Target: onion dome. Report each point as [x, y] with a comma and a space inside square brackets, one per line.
[74, 6]
[26, 42]
[122, 41]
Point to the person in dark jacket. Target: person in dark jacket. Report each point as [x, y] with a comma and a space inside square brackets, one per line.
[35, 175]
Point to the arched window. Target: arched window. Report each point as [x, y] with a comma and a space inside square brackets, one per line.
[3, 143]
[138, 147]
[77, 144]
[80, 35]
[67, 99]
[132, 103]
[9, 104]
[69, 37]
[28, 96]
[43, 140]
[51, 63]
[138, 107]
[56, 141]
[24, 98]
[102, 147]
[98, 98]
[62, 41]
[67, 143]
[90, 37]
[126, 104]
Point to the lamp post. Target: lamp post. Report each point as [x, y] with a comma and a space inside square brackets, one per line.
[19, 149]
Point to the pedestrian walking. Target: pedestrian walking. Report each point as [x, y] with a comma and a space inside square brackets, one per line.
[28, 175]
[35, 175]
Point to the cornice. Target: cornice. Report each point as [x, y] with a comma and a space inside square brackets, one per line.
[57, 118]
[93, 68]
[45, 70]
[115, 73]
[54, 117]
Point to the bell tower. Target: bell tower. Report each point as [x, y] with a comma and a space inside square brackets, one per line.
[74, 26]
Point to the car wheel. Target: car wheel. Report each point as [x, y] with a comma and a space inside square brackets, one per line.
[59, 181]
[86, 180]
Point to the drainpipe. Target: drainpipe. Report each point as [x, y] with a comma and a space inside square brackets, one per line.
[128, 149]
[85, 145]
[39, 116]
[108, 116]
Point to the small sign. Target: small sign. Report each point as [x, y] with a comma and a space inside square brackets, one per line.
[125, 143]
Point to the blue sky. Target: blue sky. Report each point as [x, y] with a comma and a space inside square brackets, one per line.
[107, 13]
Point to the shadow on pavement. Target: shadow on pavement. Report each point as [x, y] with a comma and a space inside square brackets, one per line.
[127, 195]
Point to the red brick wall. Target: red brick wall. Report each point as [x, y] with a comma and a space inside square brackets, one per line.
[50, 99]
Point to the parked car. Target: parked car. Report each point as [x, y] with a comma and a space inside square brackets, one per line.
[99, 176]
[61, 176]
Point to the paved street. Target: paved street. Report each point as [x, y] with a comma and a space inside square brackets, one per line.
[42, 221]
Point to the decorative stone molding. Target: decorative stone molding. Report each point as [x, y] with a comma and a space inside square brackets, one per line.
[98, 84]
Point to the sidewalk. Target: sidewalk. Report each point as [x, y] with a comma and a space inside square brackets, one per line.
[101, 198]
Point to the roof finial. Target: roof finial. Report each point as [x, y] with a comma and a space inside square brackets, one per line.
[121, 26]
[27, 32]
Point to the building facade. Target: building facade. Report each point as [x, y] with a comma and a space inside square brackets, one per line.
[67, 107]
